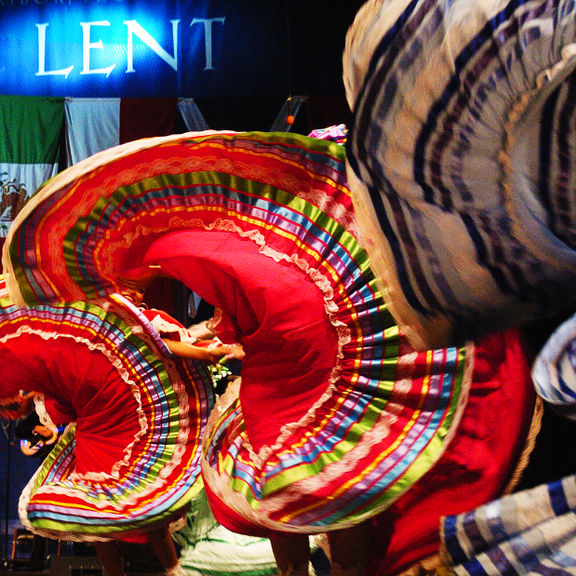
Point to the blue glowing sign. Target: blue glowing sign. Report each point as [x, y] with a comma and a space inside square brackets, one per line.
[142, 48]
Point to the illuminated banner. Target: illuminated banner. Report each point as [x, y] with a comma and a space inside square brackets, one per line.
[143, 48]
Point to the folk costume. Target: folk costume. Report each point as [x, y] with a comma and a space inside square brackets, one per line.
[128, 460]
[336, 417]
[461, 158]
[461, 165]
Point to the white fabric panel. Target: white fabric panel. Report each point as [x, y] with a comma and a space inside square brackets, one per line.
[92, 125]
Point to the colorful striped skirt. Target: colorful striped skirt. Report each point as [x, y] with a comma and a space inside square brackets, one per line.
[336, 416]
[129, 459]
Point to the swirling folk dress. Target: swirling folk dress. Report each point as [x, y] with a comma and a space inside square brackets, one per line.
[337, 418]
[129, 459]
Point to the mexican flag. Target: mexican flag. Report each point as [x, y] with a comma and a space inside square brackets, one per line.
[94, 124]
[29, 149]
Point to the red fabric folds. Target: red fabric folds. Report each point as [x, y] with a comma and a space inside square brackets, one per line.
[277, 385]
[477, 465]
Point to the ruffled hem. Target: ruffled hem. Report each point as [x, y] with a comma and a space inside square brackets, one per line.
[385, 412]
[461, 161]
[156, 475]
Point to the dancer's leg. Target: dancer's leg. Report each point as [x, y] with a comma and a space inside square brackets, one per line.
[110, 557]
[163, 546]
[292, 553]
[349, 550]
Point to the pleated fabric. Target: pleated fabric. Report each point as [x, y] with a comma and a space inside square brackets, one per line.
[485, 460]
[336, 415]
[461, 153]
[533, 531]
[129, 459]
[206, 547]
[554, 371]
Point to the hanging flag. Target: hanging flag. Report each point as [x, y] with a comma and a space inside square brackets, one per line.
[190, 113]
[95, 124]
[91, 125]
[29, 149]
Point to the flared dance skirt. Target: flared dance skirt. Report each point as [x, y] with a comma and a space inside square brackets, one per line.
[461, 153]
[532, 531]
[336, 415]
[129, 459]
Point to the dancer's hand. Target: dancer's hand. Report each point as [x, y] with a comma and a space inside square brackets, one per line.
[210, 354]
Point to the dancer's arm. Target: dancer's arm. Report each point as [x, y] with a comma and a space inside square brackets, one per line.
[207, 354]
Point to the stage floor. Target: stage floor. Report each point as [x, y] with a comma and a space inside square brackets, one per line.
[143, 564]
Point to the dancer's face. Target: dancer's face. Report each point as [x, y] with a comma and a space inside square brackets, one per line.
[135, 295]
[44, 431]
[134, 287]
[15, 406]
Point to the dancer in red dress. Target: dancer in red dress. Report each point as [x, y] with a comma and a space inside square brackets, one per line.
[337, 420]
[128, 462]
